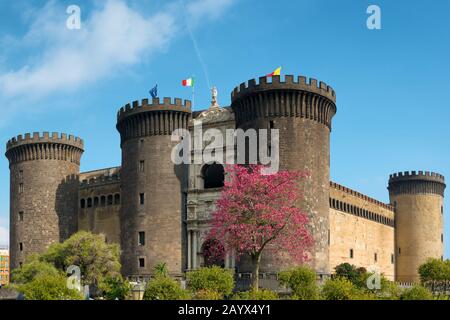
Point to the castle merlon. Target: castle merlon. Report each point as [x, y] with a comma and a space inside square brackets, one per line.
[102, 180]
[416, 182]
[417, 175]
[45, 137]
[290, 82]
[167, 104]
[361, 196]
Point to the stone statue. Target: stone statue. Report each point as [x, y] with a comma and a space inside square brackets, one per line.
[214, 103]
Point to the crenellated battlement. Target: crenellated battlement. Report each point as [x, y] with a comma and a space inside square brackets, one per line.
[167, 104]
[45, 137]
[101, 180]
[417, 175]
[281, 99]
[157, 118]
[354, 193]
[289, 82]
[416, 182]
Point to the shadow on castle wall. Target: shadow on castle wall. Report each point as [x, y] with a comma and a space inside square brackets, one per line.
[66, 204]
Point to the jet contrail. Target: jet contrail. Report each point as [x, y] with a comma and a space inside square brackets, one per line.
[194, 42]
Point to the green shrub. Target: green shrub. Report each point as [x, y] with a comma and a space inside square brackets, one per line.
[302, 282]
[32, 269]
[352, 273]
[49, 287]
[116, 288]
[416, 293]
[164, 288]
[389, 290]
[434, 270]
[161, 269]
[261, 294]
[342, 289]
[211, 278]
[96, 259]
[206, 294]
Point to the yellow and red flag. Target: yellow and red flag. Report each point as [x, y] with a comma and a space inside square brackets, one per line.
[275, 73]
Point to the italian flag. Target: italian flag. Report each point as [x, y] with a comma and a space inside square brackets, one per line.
[188, 82]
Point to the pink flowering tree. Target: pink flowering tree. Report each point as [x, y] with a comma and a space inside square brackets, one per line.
[257, 211]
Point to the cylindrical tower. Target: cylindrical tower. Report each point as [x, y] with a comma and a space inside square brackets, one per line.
[418, 199]
[43, 191]
[152, 186]
[302, 112]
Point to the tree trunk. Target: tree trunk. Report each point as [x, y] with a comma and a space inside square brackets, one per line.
[256, 259]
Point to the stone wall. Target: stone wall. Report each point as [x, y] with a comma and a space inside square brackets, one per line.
[99, 203]
[364, 226]
[153, 187]
[44, 181]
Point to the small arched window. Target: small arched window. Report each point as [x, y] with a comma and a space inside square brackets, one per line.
[96, 202]
[110, 200]
[117, 198]
[213, 176]
[103, 201]
[82, 203]
[89, 202]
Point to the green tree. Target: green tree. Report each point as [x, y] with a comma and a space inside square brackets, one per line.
[96, 259]
[352, 273]
[342, 289]
[32, 269]
[164, 288]
[161, 269]
[416, 293]
[212, 278]
[49, 287]
[261, 294]
[206, 294]
[116, 288]
[301, 281]
[434, 270]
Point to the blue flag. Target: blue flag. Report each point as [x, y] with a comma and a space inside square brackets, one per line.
[154, 91]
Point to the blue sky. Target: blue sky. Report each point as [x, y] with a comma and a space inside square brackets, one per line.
[392, 84]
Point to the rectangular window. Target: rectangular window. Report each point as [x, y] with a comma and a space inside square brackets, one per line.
[399, 250]
[141, 166]
[141, 198]
[20, 188]
[375, 257]
[21, 175]
[351, 253]
[141, 263]
[21, 246]
[142, 238]
[442, 237]
[21, 216]
[392, 258]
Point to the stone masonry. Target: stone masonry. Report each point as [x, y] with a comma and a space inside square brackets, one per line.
[160, 212]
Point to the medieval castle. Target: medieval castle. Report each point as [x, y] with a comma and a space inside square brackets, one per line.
[159, 212]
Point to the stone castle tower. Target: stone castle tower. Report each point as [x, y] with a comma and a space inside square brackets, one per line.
[152, 186]
[418, 199]
[43, 191]
[302, 112]
[149, 208]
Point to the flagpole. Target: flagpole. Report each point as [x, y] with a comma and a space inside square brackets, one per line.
[193, 93]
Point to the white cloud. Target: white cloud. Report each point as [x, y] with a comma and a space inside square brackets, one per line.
[200, 10]
[113, 37]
